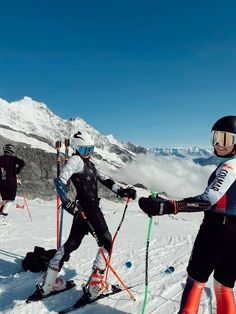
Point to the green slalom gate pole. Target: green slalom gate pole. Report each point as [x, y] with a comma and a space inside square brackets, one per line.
[146, 268]
[154, 195]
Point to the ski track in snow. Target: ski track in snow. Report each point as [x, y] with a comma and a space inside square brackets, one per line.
[171, 242]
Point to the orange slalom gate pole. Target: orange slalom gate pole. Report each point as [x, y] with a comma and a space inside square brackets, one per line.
[25, 202]
[58, 160]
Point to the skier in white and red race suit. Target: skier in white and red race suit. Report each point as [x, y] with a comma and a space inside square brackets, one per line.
[214, 249]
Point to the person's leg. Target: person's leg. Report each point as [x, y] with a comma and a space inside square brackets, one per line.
[50, 281]
[191, 296]
[96, 283]
[8, 196]
[225, 272]
[6, 207]
[225, 301]
[205, 256]
[2, 203]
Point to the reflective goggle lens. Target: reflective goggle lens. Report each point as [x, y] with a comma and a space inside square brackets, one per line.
[84, 150]
[225, 139]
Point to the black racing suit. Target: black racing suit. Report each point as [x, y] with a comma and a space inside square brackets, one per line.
[215, 246]
[10, 167]
[84, 175]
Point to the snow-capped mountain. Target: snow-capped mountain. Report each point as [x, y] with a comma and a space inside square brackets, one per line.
[190, 152]
[31, 122]
[34, 129]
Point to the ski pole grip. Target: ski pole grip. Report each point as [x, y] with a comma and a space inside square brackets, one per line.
[58, 144]
[67, 142]
[154, 194]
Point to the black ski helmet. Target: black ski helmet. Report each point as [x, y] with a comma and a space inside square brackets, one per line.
[9, 149]
[225, 124]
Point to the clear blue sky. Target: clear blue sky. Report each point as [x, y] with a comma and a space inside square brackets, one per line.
[157, 73]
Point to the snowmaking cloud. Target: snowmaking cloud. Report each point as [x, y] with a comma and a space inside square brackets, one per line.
[178, 177]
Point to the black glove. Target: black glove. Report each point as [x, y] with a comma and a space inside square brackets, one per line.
[71, 207]
[128, 192]
[157, 206]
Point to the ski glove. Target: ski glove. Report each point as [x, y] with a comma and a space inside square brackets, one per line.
[157, 206]
[128, 192]
[71, 207]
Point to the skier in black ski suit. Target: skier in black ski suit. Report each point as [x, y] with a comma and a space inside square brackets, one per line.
[84, 175]
[10, 167]
[215, 246]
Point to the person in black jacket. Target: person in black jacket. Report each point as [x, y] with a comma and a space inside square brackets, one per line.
[10, 167]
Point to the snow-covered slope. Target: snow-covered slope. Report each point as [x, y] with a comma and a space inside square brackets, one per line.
[166, 249]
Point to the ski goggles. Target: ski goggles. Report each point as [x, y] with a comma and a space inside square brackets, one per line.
[225, 139]
[84, 150]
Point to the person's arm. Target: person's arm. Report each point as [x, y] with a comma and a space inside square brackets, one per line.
[159, 206]
[225, 177]
[19, 165]
[74, 165]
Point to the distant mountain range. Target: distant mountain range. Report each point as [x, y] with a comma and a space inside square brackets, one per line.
[183, 152]
[34, 129]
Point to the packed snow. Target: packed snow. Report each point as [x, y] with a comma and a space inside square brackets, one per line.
[172, 239]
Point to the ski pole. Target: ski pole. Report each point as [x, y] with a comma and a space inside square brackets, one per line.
[115, 273]
[22, 192]
[58, 160]
[146, 265]
[67, 144]
[101, 251]
[116, 233]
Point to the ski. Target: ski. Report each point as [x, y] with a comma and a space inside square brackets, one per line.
[84, 300]
[37, 296]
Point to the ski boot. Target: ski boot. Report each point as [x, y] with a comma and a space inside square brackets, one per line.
[96, 284]
[51, 284]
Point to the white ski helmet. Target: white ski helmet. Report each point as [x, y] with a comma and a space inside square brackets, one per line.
[82, 143]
